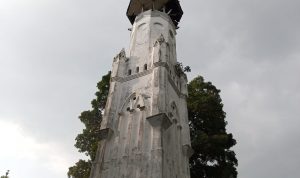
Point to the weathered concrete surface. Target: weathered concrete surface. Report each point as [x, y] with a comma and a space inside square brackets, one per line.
[145, 132]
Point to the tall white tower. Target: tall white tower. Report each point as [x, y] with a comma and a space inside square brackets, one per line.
[145, 131]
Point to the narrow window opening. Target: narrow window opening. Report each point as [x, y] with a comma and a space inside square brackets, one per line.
[173, 107]
[145, 67]
[129, 72]
[137, 70]
[171, 34]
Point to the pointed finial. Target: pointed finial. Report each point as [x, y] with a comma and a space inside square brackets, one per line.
[160, 40]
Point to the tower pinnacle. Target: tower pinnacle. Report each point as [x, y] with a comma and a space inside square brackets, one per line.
[172, 7]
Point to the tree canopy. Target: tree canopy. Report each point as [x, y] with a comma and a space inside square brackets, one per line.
[6, 174]
[87, 141]
[212, 156]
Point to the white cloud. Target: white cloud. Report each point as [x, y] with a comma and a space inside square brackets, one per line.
[18, 147]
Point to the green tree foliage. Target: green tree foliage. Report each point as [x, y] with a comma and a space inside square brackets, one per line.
[210, 141]
[6, 174]
[81, 169]
[180, 69]
[87, 141]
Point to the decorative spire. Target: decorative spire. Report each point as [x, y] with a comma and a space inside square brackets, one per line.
[160, 40]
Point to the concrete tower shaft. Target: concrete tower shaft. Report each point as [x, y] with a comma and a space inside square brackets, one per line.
[144, 132]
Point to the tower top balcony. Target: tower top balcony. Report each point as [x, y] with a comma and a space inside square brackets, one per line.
[172, 7]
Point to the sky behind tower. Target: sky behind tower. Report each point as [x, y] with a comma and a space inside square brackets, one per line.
[53, 52]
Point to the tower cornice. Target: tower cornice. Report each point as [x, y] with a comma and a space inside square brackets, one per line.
[172, 7]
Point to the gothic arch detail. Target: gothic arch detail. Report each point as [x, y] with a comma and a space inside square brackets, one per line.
[134, 101]
[173, 112]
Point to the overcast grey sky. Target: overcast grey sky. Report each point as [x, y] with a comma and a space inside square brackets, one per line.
[53, 52]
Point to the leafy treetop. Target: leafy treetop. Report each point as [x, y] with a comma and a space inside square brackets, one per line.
[210, 141]
[87, 141]
[6, 174]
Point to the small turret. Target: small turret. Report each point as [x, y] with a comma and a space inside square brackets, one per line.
[172, 7]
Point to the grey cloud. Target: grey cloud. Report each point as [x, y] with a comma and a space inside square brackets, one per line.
[52, 53]
[250, 50]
